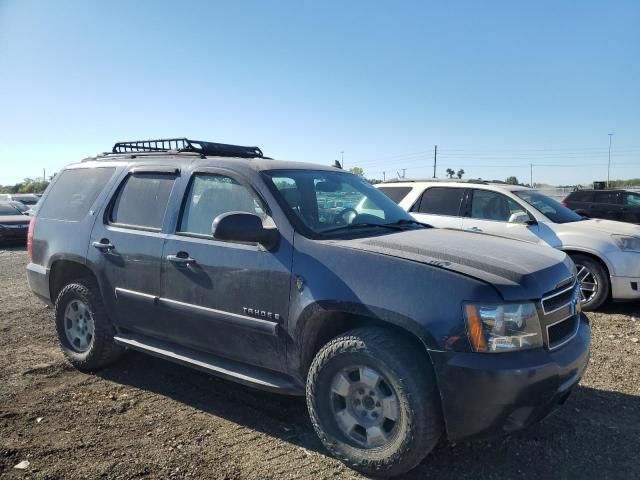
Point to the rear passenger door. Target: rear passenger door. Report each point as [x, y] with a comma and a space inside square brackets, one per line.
[440, 207]
[126, 249]
[631, 207]
[607, 205]
[225, 298]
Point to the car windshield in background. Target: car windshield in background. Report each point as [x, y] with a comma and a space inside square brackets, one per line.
[326, 201]
[551, 209]
[8, 209]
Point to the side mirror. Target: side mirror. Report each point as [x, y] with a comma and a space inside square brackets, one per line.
[243, 227]
[520, 218]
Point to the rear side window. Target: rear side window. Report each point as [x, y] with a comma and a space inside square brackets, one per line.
[211, 195]
[632, 199]
[142, 200]
[395, 193]
[488, 205]
[73, 193]
[440, 201]
[607, 197]
[580, 197]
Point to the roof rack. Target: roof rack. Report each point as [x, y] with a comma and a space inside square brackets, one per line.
[447, 180]
[186, 145]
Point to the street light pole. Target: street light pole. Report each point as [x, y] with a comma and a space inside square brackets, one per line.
[609, 164]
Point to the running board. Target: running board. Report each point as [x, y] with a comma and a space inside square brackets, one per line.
[222, 367]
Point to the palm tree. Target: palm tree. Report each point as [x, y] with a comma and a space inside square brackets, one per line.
[460, 173]
[450, 172]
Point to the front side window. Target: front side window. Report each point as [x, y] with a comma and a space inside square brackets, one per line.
[142, 200]
[210, 195]
[326, 201]
[440, 201]
[581, 197]
[488, 205]
[632, 199]
[551, 209]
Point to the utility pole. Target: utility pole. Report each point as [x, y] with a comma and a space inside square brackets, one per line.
[609, 164]
[531, 175]
[435, 159]
[342, 159]
[403, 174]
[384, 176]
[44, 175]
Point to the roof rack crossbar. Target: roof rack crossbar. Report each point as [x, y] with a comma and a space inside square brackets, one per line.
[186, 145]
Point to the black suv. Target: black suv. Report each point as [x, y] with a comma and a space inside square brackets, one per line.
[620, 205]
[306, 280]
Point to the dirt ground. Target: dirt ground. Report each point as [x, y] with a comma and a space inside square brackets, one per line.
[148, 418]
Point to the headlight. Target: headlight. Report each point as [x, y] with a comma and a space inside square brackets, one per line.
[503, 328]
[627, 243]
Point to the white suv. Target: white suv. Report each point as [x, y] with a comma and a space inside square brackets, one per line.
[607, 253]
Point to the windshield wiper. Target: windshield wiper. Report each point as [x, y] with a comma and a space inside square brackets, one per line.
[398, 226]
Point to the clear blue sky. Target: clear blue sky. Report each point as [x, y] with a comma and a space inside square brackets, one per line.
[496, 84]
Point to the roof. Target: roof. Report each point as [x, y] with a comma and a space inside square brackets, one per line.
[454, 183]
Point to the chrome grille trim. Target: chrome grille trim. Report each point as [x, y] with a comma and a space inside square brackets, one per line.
[569, 337]
[556, 294]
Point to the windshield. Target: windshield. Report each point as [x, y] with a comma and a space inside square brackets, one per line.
[326, 201]
[551, 209]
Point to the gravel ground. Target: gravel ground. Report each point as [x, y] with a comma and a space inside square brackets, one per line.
[147, 418]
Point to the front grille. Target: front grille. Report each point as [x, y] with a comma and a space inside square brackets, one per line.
[558, 299]
[560, 316]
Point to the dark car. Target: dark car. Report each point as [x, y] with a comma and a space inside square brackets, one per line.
[620, 205]
[216, 257]
[13, 225]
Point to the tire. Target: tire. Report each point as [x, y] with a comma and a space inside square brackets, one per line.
[99, 349]
[405, 371]
[595, 274]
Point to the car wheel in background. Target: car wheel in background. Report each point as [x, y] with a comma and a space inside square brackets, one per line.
[594, 281]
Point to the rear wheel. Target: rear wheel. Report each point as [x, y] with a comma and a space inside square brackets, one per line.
[84, 330]
[594, 281]
[374, 402]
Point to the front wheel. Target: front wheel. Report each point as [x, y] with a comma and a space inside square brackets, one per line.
[594, 281]
[374, 402]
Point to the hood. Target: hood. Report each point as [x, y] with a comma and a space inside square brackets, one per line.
[599, 225]
[518, 270]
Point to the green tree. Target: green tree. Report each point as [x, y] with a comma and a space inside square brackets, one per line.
[357, 171]
[450, 172]
[460, 173]
[512, 180]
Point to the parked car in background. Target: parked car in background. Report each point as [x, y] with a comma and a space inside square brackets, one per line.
[30, 199]
[13, 225]
[606, 253]
[621, 205]
[21, 207]
[246, 267]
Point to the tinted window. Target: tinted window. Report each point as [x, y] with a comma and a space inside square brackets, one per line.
[632, 199]
[553, 210]
[213, 195]
[395, 193]
[440, 201]
[606, 197]
[487, 205]
[580, 197]
[73, 193]
[8, 210]
[142, 200]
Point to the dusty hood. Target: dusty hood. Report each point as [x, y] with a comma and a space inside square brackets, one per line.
[519, 270]
[604, 226]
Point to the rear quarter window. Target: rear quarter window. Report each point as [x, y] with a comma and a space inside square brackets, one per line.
[73, 193]
[395, 193]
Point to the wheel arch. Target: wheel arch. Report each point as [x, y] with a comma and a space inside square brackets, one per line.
[591, 255]
[62, 271]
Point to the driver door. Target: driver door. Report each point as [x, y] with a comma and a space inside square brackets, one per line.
[490, 212]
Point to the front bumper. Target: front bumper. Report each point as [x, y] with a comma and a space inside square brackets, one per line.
[625, 288]
[485, 394]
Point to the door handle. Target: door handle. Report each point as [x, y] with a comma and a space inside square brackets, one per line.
[181, 258]
[474, 229]
[103, 245]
